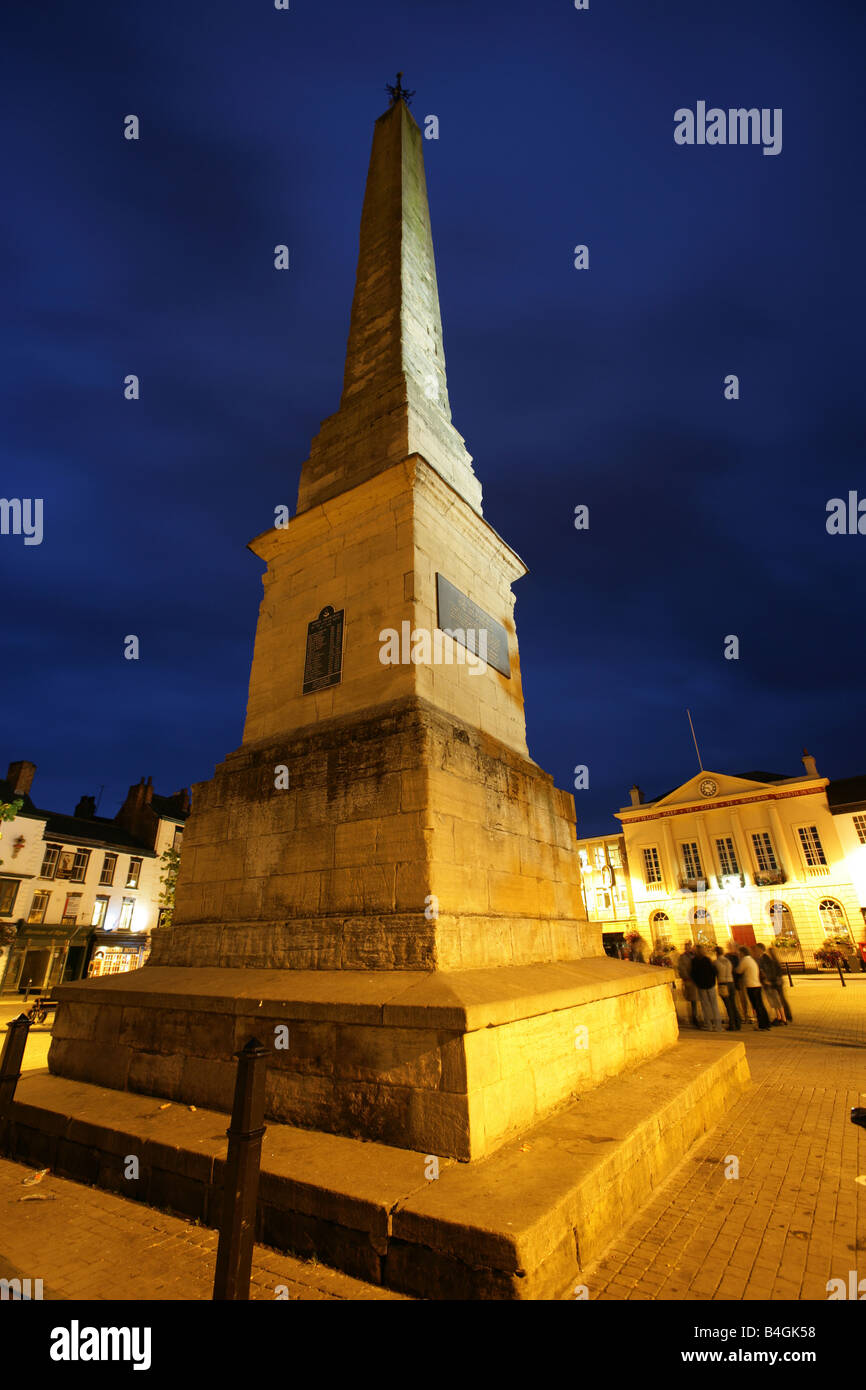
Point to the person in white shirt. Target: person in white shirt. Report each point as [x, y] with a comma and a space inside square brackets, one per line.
[748, 970]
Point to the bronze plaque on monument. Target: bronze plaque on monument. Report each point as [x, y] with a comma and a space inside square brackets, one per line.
[463, 620]
[324, 662]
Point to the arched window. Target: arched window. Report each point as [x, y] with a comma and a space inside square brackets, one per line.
[702, 923]
[781, 918]
[833, 918]
[660, 929]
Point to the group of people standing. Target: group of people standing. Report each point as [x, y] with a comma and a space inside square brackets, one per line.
[741, 978]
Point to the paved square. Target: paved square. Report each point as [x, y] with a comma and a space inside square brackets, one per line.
[793, 1218]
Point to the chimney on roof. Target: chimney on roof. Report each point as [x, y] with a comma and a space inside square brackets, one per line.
[148, 792]
[86, 808]
[636, 795]
[182, 798]
[809, 764]
[20, 776]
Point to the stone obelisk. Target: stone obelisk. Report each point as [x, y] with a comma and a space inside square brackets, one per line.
[381, 866]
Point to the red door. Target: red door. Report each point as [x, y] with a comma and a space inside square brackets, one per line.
[744, 936]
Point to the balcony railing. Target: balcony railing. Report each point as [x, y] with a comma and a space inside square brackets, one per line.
[694, 885]
[728, 881]
[767, 878]
[818, 870]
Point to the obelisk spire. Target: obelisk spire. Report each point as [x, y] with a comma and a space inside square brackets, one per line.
[395, 394]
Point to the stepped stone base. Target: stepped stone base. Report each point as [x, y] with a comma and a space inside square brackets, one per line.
[522, 1224]
[447, 1064]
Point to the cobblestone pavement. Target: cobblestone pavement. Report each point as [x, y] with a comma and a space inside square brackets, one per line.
[795, 1217]
[87, 1244]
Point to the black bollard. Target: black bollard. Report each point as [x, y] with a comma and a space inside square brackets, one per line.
[10, 1068]
[839, 968]
[234, 1259]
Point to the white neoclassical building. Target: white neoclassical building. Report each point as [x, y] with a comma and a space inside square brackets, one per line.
[751, 857]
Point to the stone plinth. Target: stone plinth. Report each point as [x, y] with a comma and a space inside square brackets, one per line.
[406, 840]
[448, 1064]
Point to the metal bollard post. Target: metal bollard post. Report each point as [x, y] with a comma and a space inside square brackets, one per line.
[240, 1191]
[841, 976]
[10, 1062]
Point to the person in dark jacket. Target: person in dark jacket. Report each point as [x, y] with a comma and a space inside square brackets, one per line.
[771, 978]
[727, 988]
[704, 977]
[690, 989]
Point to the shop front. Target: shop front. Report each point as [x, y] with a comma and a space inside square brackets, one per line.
[40, 956]
[114, 952]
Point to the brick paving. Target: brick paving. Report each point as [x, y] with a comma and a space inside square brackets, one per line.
[794, 1218]
[91, 1245]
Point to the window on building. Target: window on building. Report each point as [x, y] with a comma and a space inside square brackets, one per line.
[602, 900]
[833, 918]
[71, 909]
[72, 865]
[598, 855]
[781, 918]
[8, 893]
[613, 855]
[584, 858]
[660, 927]
[109, 864]
[134, 873]
[860, 827]
[765, 855]
[113, 961]
[38, 907]
[178, 839]
[702, 926]
[100, 907]
[652, 870]
[691, 860]
[810, 843]
[49, 862]
[727, 855]
[126, 911]
[621, 896]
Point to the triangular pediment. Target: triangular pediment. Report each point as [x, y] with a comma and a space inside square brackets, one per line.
[710, 786]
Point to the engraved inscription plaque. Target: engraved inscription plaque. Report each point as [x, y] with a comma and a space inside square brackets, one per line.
[464, 620]
[324, 662]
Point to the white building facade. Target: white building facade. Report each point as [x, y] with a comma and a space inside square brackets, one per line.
[79, 894]
[755, 857]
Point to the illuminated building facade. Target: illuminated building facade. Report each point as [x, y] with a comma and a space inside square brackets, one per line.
[80, 894]
[754, 857]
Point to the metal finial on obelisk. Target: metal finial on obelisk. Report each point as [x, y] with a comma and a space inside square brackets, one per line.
[399, 93]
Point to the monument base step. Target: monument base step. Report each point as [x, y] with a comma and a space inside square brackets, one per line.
[452, 1064]
[519, 1224]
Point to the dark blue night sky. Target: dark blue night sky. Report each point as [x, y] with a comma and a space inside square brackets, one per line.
[604, 387]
